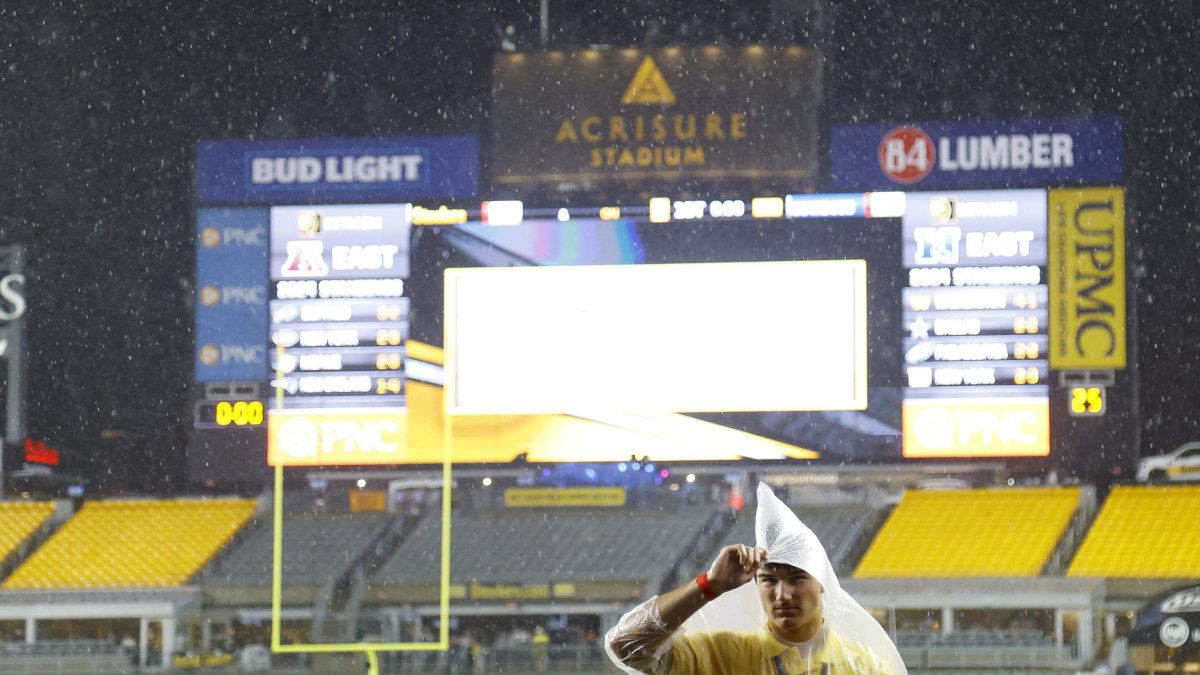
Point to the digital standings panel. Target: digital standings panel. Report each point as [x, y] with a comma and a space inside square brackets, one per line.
[338, 326]
[975, 320]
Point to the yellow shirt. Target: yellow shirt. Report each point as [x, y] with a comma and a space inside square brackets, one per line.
[761, 653]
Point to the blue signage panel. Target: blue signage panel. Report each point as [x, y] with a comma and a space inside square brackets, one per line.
[231, 293]
[1041, 152]
[320, 170]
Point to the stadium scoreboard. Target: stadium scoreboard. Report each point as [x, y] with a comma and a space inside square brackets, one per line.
[723, 328]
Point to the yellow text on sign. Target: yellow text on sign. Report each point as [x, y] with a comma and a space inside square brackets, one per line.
[1087, 401]
[984, 427]
[1087, 278]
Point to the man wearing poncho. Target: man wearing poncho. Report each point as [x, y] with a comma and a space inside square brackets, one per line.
[800, 622]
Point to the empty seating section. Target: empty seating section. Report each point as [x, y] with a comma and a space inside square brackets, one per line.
[316, 549]
[18, 521]
[133, 544]
[991, 532]
[541, 545]
[837, 528]
[1146, 532]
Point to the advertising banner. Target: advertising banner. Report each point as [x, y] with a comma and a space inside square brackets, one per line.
[1033, 152]
[580, 496]
[14, 304]
[1087, 279]
[315, 170]
[231, 294]
[980, 427]
[666, 115]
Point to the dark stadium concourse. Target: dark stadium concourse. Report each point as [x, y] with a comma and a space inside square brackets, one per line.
[438, 337]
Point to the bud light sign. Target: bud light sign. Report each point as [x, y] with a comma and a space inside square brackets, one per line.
[986, 154]
[388, 169]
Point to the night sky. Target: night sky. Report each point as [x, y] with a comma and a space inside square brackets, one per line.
[101, 110]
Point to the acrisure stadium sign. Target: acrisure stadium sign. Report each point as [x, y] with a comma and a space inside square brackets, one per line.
[670, 114]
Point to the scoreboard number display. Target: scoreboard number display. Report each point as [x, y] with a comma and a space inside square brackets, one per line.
[230, 414]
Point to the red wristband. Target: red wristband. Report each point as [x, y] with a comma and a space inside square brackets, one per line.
[706, 588]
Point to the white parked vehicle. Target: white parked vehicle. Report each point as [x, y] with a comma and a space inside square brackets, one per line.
[1183, 463]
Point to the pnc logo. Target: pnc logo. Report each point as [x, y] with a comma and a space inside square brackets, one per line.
[906, 154]
[975, 428]
[337, 440]
[209, 355]
[210, 237]
[210, 296]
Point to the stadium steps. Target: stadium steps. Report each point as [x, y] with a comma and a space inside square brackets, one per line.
[341, 609]
[1144, 533]
[697, 556]
[1073, 538]
[136, 543]
[983, 532]
[866, 529]
[24, 526]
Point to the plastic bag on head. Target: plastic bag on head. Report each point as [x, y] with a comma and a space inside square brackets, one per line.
[791, 542]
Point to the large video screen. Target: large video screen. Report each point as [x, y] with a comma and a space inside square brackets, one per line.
[643, 338]
[594, 334]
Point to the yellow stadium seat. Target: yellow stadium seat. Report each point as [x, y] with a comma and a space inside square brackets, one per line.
[1143, 532]
[134, 543]
[991, 532]
[18, 522]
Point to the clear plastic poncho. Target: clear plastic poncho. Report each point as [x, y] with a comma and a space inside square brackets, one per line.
[730, 634]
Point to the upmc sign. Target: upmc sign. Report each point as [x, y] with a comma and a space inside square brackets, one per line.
[1014, 153]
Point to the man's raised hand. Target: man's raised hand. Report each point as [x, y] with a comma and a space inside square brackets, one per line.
[734, 566]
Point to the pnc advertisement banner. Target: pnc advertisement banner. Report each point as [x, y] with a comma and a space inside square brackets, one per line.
[1034, 152]
[664, 115]
[231, 294]
[316, 437]
[976, 427]
[1087, 278]
[315, 170]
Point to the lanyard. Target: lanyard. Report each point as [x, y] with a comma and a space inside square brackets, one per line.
[778, 660]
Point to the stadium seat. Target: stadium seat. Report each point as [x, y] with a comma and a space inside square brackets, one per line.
[535, 545]
[133, 544]
[316, 549]
[18, 522]
[992, 532]
[1143, 532]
